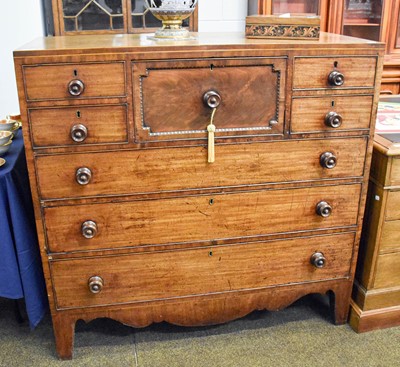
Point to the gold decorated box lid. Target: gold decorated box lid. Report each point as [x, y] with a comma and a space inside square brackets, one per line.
[285, 26]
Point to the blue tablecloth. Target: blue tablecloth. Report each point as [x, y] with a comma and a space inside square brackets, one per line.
[21, 273]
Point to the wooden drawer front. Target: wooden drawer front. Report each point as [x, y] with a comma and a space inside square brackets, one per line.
[200, 218]
[388, 271]
[390, 238]
[393, 205]
[156, 170]
[395, 172]
[313, 72]
[51, 81]
[170, 95]
[174, 274]
[54, 126]
[310, 114]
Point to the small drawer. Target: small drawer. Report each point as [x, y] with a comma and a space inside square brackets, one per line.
[200, 218]
[156, 170]
[334, 72]
[175, 99]
[387, 270]
[74, 81]
[393, 205]
[164, 275]
[390, 237]
[313, 115]
[394, 179]
[81, 125]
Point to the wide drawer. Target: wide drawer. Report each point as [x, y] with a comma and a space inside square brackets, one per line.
[170, 97]
[313, 114]
[314, 72]
[155, 170]
[76, 81]
[199, 218]
[197, 272]
[80, 125]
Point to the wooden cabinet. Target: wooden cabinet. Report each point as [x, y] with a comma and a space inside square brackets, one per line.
[377, 20]
[73, 17]
[137, 223]
[376, 296]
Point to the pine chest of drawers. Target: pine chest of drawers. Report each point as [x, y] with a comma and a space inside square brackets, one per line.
[196, 182]
[376, 295]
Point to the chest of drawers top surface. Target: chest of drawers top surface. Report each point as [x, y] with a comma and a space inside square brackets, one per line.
[212, 41]
[130, 176]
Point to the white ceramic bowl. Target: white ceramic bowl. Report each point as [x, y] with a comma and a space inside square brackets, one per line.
[5, 136]
[7, 125]
[4, 148]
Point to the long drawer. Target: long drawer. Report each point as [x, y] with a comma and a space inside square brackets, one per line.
[317, 114]
[199, 218]
[208, 270]
[177, 169]
[79, 125]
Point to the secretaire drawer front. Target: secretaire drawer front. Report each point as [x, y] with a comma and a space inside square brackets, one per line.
[175, 99]
[200, 218]
[174, 274]
[331, 114]
[74, 81]
[334, 72]
[80, 125]
[155, 170]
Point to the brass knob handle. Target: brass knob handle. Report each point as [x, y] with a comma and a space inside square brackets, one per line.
[323, 209]
[76, 87]
[83, 175]
[333, 119]
[318, 260]
[212, 99]
[328, 160]
[89, 229]
[79, 133]
[95, 284]
[336, 79]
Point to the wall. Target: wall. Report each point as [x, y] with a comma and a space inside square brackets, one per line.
[222, 15]
[23, 21]
[19, 24]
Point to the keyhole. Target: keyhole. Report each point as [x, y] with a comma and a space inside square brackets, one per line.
[75, 72]
[211, 201]
[335, 64]
[210, 253]
[212, 67]
[78, 114]
[333, 103]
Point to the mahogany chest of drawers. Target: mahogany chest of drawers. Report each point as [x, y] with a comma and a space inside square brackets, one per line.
[376, 296]
[196, 182]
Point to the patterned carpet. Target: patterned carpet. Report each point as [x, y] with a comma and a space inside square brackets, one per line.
[301, 335]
